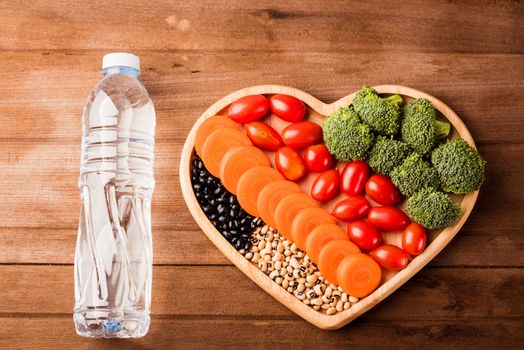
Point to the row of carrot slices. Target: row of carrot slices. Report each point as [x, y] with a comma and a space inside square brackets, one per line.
[263, 192]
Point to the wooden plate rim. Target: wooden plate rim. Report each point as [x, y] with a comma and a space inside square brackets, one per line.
[316, 318]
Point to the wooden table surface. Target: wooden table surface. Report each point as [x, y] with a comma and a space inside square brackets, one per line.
[469, 54]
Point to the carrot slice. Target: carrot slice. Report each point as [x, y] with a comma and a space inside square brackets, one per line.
[305, 221]
[208, 126]
[332, 254]
[236, 161]
[217, 144]
[287, 210]
[320, 236]
[250, 184]
[358, 275]
[271, 195]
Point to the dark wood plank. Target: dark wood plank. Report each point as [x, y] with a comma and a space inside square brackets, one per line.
[325, 26]
[254, 333]
[471, 247]
[51, 169]
[47, 102]
[181, 246]
[438, 293]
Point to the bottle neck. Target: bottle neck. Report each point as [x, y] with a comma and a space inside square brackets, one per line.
[120, 70]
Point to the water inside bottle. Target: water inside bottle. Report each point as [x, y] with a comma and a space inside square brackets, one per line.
[113, 260]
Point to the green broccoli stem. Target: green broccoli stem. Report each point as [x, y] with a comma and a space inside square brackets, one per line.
[443, 128]
[394, 99]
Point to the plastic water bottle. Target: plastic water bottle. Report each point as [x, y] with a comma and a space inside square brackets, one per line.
[113, 260]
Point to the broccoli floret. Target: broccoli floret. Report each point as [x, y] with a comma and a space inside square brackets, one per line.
[432, 209]
[413, 175]
[443, 129]
[382, 114]
[420, 129]
[386, 154]
[460, 168]
[345, 136]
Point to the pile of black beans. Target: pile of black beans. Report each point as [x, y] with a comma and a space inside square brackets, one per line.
[222, 209]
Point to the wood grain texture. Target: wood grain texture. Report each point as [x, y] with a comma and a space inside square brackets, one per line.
[478, 87]
[257, 333]
[183, 291]
[468, 53]
[471, 247]
[326, 26]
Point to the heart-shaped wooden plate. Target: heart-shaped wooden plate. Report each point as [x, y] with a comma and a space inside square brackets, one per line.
[317, 110]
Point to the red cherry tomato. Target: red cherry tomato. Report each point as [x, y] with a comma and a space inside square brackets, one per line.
[351, 208]
[354, 177]
[380, 189]
[390, 257]
[286, 107]
[414, 239]
[317, 158]
[325, 185]
[302, 134]
[263, 136]
[364, 235]
[248, 108]
[290, 163]
[388, 218]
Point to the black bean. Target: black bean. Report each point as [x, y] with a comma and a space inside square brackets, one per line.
[239, 244]
[221, 207]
